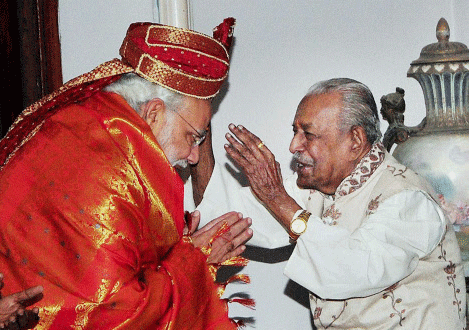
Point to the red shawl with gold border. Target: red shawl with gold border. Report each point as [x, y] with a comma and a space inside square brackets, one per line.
[93, 211]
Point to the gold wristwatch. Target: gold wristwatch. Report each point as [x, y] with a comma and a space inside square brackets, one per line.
[298, 224]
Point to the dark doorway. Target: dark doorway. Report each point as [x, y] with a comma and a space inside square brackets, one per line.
[29, 53]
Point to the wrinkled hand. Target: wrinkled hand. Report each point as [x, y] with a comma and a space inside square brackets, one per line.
[228, 245]
[13, 314]
[262, 171]
[258, 163]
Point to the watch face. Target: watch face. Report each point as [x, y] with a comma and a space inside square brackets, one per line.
[298, 226]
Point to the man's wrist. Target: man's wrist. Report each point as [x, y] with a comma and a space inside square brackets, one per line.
[299, 223]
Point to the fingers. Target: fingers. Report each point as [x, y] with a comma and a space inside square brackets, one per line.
[255, 159]
[236, 224]
[279, 170]
[249, 146]
[249, 140]
[230, 244]
[194, 222]
[235, 151]
[228, 218]
[203, 236]
[244, 235]
[239, 233]
[27, 294]
[234, 253]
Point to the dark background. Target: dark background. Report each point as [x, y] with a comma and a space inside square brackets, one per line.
[29, 53]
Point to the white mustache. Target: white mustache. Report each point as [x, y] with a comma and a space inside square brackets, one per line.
[182, 163]
[299, 158]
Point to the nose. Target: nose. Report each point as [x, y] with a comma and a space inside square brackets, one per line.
[297, 143]
[193, 157]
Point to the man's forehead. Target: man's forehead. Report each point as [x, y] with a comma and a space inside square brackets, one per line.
[197, 106]
[318, 111]
[198, 110]
[303, 122]
[304, 115]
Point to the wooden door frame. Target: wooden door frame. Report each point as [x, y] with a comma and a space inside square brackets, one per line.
[41, 64]
[30, 55]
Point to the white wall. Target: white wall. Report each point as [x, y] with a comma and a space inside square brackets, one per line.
[281, 49]
[91, 31]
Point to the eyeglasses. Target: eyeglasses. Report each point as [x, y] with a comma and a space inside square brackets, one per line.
[198, 137]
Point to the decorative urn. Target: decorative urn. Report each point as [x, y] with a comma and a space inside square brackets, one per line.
[438, 148]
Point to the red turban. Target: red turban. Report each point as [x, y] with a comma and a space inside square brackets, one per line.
[182, 60]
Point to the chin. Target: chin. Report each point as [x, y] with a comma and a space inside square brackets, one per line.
[304, 184]
[308, 184]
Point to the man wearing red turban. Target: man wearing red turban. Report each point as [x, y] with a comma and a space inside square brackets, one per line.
[92, 206]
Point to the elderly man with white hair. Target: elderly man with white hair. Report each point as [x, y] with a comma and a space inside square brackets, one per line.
[372, 245]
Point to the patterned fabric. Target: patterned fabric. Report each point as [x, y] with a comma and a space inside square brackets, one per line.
[433, 296]
[77, 89]
[91, 208]
[182, 60]
[365, 168]
[92, 211]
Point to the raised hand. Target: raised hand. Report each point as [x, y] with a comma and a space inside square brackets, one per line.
[263, 172]
[257, 162]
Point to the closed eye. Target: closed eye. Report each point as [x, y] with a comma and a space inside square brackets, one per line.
[310, 136]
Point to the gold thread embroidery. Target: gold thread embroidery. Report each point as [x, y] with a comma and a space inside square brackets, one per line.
[47, 316]
[84, 309]
[184, 32]
[165, 71]
[163, 66]
[192, 51]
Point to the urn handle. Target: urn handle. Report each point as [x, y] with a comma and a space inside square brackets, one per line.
[392, 110]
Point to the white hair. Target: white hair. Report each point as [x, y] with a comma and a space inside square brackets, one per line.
[138, 91]
[359, 106]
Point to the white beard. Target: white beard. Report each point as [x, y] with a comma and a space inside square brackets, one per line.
[181, 163]
[164, 140]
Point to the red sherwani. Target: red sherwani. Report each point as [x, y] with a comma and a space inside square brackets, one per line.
[92, 211]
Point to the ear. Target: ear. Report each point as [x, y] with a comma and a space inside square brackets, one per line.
[153, 111]
[359, 143]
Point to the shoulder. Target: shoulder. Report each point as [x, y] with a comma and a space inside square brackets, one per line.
[396, 177]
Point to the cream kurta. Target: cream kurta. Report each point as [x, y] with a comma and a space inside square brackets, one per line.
[380, 248]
